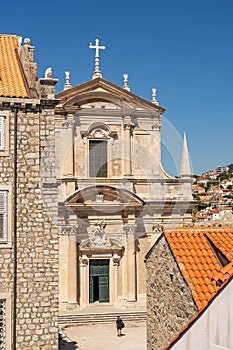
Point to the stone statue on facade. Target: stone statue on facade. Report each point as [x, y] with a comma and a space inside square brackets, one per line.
[99, 235]
[48, 73]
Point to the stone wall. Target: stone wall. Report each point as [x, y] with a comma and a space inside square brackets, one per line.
[169, 301]
[37, 232]
[6, 251]
[6, 183]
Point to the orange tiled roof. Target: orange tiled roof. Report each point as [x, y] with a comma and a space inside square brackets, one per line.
[197, 260]
[197, 187]
[12, 82]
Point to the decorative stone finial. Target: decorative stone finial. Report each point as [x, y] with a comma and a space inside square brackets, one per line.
[97, 72]
[27, 41]
[47, 85]
[67, 84]
[20, 41]
[154, 100]
[48, 73]
[126, 86]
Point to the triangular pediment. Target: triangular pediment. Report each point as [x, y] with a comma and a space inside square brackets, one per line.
[100, 93]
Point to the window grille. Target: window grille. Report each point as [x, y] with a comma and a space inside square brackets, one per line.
[2, 137]
[97, 158]
[2, 324]
[3, 216]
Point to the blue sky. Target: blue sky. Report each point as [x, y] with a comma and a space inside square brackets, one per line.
[183, 48]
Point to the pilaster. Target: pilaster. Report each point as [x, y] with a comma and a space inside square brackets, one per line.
[131, 265]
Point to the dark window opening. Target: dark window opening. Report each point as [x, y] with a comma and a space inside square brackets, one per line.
[97, 158]
[95, 288]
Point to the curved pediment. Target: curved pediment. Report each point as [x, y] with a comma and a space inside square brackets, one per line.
[97, 99]
[104, 195]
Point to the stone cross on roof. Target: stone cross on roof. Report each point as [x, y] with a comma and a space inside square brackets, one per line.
[97, 72]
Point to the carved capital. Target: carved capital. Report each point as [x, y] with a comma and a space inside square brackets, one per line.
[83, 261]
[157, 228]
[129, 125]
[68, 122]
[129, 229]
[70, 230]
[156, 126]
[116, 260]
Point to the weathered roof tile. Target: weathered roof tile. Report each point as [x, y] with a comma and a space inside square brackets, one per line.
[198, 261]
[12, 82]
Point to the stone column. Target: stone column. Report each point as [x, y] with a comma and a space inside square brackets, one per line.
[84, 287]
[128, 125]
[155, 147]
[71, 266]
[114, 279]
[63, 268]
[131, 265]
[72, 288]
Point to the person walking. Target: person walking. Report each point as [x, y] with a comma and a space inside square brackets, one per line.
[119, 325]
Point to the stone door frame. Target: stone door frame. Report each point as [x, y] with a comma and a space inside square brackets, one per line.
[84, 275]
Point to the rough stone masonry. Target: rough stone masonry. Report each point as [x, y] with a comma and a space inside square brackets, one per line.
[29, 259]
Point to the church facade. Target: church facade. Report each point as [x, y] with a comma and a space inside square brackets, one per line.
[83, 195]
[113, 194]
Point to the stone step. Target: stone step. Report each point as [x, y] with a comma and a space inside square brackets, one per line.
[134, 316]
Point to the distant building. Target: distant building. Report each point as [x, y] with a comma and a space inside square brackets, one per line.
[203, 180]
[222, 169]
[198, 189]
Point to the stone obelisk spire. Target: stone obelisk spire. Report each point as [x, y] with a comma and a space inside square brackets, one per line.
[185, 169]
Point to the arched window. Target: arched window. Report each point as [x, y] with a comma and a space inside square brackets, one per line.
[97, 137]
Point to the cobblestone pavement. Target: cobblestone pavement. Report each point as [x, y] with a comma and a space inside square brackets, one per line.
[103, 336]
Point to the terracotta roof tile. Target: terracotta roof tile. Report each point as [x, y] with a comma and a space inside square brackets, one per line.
[224, 274]
[198, 260]
[12, 83]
